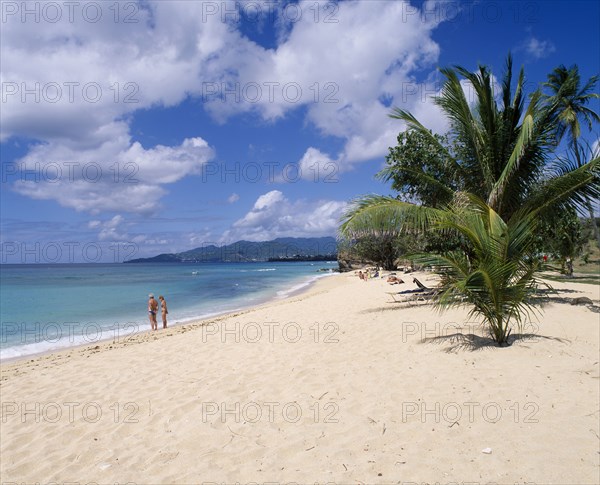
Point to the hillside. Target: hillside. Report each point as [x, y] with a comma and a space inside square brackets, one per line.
[286, 248]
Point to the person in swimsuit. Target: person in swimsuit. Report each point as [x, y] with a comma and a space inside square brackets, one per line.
[152, 309]
[394, 280]
[164, 311]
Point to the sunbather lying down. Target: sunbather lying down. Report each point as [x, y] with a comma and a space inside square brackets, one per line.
[394, 280]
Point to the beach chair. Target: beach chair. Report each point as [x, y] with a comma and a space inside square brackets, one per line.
[424, 296]
[421, 285]
[403, 294]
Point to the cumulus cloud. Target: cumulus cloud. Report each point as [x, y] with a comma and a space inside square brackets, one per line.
[89, 78]
[371, 53]
[110, 230]
[117, 176]
[538, 49]
[316, 166]
[273, 215]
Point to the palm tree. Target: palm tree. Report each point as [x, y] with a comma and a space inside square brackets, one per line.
[497, 278]
[502, 157]
[570, 101]
[503, 150]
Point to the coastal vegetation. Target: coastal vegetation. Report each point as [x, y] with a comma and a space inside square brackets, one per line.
[481, 196]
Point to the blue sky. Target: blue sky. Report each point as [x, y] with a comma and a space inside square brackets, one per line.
[138, 128]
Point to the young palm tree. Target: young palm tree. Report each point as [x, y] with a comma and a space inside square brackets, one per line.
[497, 277]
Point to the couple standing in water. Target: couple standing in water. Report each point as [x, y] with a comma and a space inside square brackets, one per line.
[153, 309]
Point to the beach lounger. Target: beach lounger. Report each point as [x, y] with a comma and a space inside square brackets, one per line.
[403, 294]
[417, 295]
[421, 285]
[421, 293]
[424, 296]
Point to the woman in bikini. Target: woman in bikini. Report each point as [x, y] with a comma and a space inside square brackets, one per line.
[164, 311]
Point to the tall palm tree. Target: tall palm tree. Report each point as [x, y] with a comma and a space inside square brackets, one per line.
[503, 149]
[570, 104]
[503, 153]
[571, 101]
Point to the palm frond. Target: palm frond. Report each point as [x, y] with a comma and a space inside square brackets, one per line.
[413, 124]
[387, 173]
[513, 163]
[568, 184]
[373, 214]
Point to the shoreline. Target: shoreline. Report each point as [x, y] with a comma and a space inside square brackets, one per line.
[295, 290]
[342, 386]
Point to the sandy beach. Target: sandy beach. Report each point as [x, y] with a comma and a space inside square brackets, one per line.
[337, 384]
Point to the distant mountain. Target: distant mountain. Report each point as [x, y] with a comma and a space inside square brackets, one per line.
[280, 249]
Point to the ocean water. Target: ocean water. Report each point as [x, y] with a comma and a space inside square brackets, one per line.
[46, 307]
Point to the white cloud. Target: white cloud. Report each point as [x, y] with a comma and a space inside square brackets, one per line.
[273, 215]
[316, 166]
[177, 50]
[233, 198]
[370, 53]
[266, 201]
[538, 49]
[111, 230]
[117, 176]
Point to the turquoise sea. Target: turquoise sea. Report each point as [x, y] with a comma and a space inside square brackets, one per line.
[45, 306]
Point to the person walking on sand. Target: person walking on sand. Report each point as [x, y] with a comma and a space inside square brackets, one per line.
[152, 309]
[164, 311]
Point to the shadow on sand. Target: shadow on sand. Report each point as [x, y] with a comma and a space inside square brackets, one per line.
[545, 297]
[471, 342]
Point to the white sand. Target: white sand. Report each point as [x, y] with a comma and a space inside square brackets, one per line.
[191, 404]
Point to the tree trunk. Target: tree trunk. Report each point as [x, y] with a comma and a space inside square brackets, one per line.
[588, 204]
[569, 268]
[500, 333]
[593, 221]
[388, 264]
